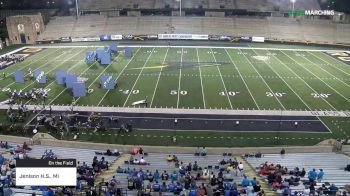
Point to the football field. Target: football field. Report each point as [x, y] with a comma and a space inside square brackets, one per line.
[196, 78]
[201, 78]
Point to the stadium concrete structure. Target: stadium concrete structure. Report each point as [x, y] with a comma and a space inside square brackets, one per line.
[131, 88]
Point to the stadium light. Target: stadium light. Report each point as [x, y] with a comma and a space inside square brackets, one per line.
[180, 6]
[293, 1]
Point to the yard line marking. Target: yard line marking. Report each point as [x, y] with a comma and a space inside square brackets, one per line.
[54, 68]
[328, 63]
[200, 75]
[36, 69]
[222, 80]
[240, 75]
[160, 73]
[263, 79]
[304, 82]
[138, 78]
[179, 88]
[33, 61]
[317, 77]
[104, 96]
[92, 83]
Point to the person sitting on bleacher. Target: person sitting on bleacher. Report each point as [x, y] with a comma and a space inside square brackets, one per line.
[195, 166]
[136, 162]
[163, 188]
[174, 176]
[323, 190]
[189, 167]
[170, 158]
[120, 170]
[333, 189]
[156, 175]
[205, 174]
[228, 176]
[142, 161]
[165, 175]
[182, 170]
[156, 187]
[171, 186]
[204, 152]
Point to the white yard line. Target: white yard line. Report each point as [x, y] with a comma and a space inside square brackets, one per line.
[200, 75]
[120, 73]
[54, 68]
[263, 80]
[328, 63]
[160, 73]
[138, 77]
[318, 78]
[240, 75]
[179, 86]
[304, 82]
[102, 72]
[222, 80]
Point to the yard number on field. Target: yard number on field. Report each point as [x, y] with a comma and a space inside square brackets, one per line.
[320, 95]
[229, 93]
[274, 94]
[128, 91]
[174, 92]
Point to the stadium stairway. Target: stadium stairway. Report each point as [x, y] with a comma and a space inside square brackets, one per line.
[251, 173]
[108, 174]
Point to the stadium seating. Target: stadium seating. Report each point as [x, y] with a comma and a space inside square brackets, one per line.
[250, 5]
[271, 28]
[332, 164]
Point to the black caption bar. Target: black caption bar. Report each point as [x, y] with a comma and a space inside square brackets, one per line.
[46, 163]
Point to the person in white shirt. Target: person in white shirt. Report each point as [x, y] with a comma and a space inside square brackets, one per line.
[136, 161]
[240, 167]
[142, 160]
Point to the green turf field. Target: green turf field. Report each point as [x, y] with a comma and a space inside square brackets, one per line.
[200, 78]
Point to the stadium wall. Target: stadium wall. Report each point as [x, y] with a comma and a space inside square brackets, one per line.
[165, 149]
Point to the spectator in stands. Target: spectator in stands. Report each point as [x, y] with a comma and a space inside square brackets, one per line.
[201, 191]
[322, 190]
[333, 189]
[136, 162]
[142, 161]
[303, 173]
[312, 175]
[156, 187]
[245, 182]
[204, 151]
[170, 158]
[241, 167]
[195, 166]
[257, 187]
[320, 175]
[287, 191]
[165, 175]
[156, 175]
[163, 188]
[141, 151]
[174, 176]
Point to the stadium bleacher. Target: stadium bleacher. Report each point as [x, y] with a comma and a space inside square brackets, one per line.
[270, 28]
[332, 164]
